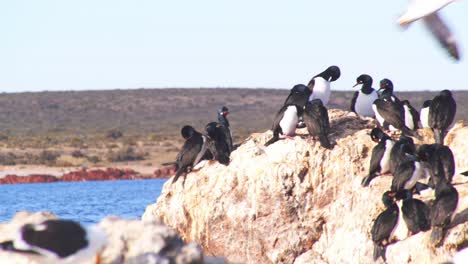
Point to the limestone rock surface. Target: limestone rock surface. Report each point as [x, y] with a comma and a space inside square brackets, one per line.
[296, 202]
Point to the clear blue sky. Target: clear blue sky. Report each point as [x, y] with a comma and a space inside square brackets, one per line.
[106, 44]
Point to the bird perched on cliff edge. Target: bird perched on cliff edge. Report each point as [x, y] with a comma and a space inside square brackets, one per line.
[380, 158]
[411, 115]
[442, 211]
[285, 122]
[427, 10]
[320, 84]
[58, 241]
[191, 149]
[317, 122]
[424, 114]
[415, 213]
[362, 100]
[384, 226]
[222, 119]
[441, 114]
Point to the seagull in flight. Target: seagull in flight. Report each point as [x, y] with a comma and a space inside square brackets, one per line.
[427, 10]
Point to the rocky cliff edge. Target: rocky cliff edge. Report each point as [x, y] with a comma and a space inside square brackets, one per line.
[296, 202]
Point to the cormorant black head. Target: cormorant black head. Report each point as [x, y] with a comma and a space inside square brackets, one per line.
[299, 88]
[331, 74]
[386, 84]
[364, 79]
[446, 93]
[187, 132]
[224, 111]
[427, 103]
[388, 198]
[377, 134]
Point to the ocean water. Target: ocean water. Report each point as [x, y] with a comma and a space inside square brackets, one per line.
[86, 202]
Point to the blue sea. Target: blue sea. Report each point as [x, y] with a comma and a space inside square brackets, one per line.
[86, 202]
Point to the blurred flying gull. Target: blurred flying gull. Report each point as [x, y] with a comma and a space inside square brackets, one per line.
[427, 11]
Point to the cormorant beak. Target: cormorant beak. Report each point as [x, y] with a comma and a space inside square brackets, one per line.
[356, 84]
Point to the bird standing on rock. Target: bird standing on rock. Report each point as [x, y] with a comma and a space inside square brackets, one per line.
[402, 149]
[435, 155]
[320, 84]
[411, 115]
[441, 114]
[443, 209]
[192, 147]
[222, 119]
[424, 114]
[384, 226]
[285, 122]
[389, 111]
[317, 121]
[362, 100]
[58, 241]
[415, 213]
[380, 158]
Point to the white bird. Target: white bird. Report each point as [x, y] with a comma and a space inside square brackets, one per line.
[427, 10]
[58, 241]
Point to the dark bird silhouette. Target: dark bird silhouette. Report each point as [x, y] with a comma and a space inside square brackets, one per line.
[317, 122]
[217, 143]
[415, 213]
[190, 150]
[434, 154]
[222, 119]
[442, 210]
[441, 114]
[384, 225]
[403, 149]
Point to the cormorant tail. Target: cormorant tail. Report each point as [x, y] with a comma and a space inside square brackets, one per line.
[379, 251]
[325, 142]
[437, 235]
[179, 172]
[272, 140]
[366, 180]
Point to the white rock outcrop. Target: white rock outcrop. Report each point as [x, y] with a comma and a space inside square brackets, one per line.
[129, 242]
[296, 202]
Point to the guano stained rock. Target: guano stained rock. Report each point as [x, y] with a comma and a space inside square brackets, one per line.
[296, 202]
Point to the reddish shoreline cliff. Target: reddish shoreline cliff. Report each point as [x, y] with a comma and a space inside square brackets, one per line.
[108, 174]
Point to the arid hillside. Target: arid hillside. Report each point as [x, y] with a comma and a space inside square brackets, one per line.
[88, 128]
